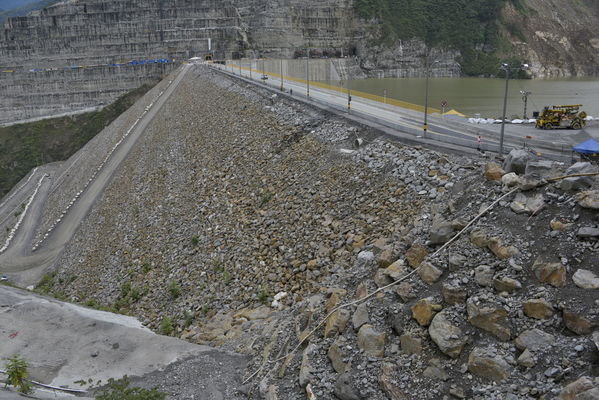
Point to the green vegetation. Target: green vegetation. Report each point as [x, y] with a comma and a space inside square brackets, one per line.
[46, 284]
[227, 277]
[188, 318]
[263, 295]
[195, 239]
[146, 267]
[25, 146]
[16, 370]
[470, 26]
[119, 390]
[166, 326]
[174, 289]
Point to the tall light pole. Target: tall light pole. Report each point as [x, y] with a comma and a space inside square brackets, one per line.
[507, 68]
[308, 74]
[428, 73]
[525, 95]
[281, 73]
[348, 89]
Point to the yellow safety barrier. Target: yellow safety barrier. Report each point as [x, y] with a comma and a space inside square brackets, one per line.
[357, 93]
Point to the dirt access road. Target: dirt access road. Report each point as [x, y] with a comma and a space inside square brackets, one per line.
[25, 267]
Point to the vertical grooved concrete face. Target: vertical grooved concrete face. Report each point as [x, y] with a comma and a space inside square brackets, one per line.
[76, 55]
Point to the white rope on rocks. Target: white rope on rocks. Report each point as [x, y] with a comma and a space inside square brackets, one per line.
[323, 321]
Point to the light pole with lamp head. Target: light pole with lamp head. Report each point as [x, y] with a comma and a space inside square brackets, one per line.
[428, 73]
[507, 68]
[308, 72]
[525, 95]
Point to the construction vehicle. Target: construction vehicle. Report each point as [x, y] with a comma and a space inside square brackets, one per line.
[561, 117]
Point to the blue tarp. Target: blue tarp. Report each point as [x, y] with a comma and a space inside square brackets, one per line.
[588, 147]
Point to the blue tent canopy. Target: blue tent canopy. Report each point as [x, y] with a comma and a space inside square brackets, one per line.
[588, 147]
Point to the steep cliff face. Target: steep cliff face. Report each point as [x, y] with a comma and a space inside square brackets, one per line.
[61, 58]
[559, 38]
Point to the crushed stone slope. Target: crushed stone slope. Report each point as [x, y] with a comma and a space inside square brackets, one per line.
[246, 218]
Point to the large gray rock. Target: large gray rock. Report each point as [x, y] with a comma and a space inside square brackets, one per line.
[516, 161]
[447, 337]
[533, 340]
[487, 365]
[580, 182]
[586, 279]
[588, 232]
[588, 199]
[344, 389]
[441, 232]
[524, 204]
[541, 168]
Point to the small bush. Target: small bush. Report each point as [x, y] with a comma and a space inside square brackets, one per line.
[195, 240]
[175, 289]
[188, 318]
[166, 326]
[125, 289]
[263, 296]
[146, 267]
[119, 390]
[16, 369]
[135, 294]
[227, 277]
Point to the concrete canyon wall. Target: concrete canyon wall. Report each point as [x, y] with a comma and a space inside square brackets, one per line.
[94, 34]
[37, 51]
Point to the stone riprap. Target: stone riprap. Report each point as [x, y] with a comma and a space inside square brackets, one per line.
[245, 217]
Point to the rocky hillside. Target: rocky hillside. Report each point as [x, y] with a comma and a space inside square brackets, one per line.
[557, 38]
[243, 220]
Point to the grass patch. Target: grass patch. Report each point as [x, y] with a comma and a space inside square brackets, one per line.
[174, 289]
[166, 326]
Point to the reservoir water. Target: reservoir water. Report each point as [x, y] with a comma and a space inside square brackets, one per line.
[484, 96]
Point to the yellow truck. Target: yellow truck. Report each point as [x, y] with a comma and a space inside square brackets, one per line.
[561, 117]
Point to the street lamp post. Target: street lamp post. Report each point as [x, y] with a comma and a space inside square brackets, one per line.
[507, 68]
[282, 73]
[525, 95]
[308, 74]
[428, 73]
[348, 89]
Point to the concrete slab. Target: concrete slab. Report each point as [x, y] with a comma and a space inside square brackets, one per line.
[65, 343]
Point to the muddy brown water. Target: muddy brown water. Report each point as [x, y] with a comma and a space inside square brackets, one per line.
[484, 96]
